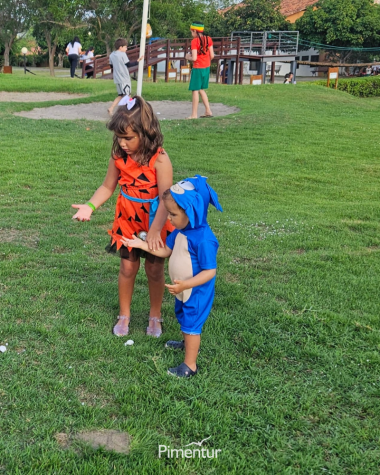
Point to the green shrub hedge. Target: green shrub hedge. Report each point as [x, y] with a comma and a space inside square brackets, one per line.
[360, 87]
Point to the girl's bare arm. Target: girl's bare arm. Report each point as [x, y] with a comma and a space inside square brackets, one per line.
[101, 195]
[212, 54]
[164, 174]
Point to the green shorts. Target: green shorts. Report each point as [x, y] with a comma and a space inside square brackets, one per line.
[199, 79]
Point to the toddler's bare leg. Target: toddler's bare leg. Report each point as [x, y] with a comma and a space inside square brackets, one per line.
[192, 344]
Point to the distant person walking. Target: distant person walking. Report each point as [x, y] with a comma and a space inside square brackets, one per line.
[120, 64]
[74, 50]
[202, 53]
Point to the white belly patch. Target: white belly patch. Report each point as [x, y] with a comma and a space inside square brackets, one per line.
[180, 267]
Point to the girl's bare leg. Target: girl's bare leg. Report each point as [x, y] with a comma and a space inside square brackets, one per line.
[192, 344]
[127, 276]
[195, 102]
[156, 283]
[205, 102]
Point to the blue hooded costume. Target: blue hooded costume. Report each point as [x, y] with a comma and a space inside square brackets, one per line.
[194, 249]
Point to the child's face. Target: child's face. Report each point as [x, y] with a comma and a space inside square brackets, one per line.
[176, 216]
[193, 33]
[130, 142]
[123, 49]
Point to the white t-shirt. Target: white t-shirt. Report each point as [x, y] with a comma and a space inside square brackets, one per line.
[89, 55]
[74, 49]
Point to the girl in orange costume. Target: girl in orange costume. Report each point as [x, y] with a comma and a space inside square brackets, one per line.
[143, 170]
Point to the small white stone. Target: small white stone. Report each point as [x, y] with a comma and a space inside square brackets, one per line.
[3, 348]
[129, 343]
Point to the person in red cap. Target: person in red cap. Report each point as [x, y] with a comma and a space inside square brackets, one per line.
[202, 53]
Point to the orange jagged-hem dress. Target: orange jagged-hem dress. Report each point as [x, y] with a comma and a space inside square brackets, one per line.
[131, 217]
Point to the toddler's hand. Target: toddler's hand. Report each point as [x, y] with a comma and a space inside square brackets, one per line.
[135, 242]
[141, 57]
[176, 288]
[83, 214]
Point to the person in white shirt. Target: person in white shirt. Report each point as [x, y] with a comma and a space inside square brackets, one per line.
[74, 50]
[89, 61]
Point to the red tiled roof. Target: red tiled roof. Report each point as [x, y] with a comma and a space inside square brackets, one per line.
[289, 7]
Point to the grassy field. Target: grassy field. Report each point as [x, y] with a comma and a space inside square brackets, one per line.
[289, 378]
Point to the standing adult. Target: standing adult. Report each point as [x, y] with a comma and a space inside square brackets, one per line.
[202, 53]
[74, 50]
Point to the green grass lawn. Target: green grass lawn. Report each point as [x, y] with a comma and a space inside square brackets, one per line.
[289, 378]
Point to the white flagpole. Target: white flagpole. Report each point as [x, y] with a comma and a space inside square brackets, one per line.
[142, 47]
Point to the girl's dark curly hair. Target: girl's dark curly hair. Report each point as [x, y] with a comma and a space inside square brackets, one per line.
[143, 121]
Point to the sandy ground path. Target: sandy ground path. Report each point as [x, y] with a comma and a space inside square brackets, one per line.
[37, 96]
[165, 110]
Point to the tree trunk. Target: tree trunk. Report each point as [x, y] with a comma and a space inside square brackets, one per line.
[60, 60]
[7, 49]
[6, 55]
[51, 59]
[51, 48]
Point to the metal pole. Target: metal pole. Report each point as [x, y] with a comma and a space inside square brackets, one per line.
[140, 72]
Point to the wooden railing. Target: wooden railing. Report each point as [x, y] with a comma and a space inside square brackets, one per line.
[173, 50]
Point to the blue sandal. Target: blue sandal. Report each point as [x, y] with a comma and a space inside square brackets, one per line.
[175, 345]
[182, 371]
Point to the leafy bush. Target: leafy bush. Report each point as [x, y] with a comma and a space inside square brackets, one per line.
[360, 87]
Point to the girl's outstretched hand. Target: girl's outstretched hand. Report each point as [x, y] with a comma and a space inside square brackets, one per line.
[83, 214]
[134, 242]
[154, 241]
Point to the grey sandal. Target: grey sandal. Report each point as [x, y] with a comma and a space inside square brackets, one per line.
[154, 331]
[118, 329]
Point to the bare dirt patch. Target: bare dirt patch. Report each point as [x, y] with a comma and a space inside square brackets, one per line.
[108, 439]
[37, 96]
[165, 110]
[111, 440]
[19, 237]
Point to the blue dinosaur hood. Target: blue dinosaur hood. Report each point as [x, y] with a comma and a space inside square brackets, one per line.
[194, 195]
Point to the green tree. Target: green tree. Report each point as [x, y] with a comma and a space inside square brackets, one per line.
[343, 23]
[14, 19]
[172, 18]
[256, 15]
[55, 20]
[112, 19]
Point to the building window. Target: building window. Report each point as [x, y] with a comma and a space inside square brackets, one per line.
[314, 58]
[305, 58]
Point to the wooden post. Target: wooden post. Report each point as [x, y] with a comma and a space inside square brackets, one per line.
[241, 72]
[217, 72]
[333, 73]
[237, 59]
[155, 73]
[273, 66]
[167, 61]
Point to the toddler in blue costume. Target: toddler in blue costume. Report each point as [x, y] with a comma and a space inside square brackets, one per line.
[192, 248]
